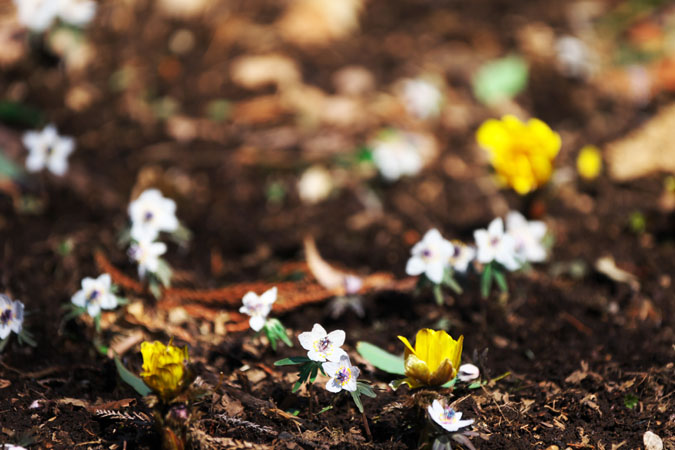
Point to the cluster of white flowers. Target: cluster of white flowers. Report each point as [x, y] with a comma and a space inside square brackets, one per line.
[422, 99]
[11, 316]
[520, 243]
[39, 15]
[258, 307]
[434, 254]
[46, 149]
[96, 294]
[151, 213]
[325, 348]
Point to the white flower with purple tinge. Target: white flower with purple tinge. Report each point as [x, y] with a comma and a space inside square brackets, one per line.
[258, 307]
[430, 256]
[342, 375]
[422, 98]
[11, 316]
[495, 245]
[76, 12]
[468, 372]
[146, 254]
[528, 237]
[36, 15]
[447, 417]
[95, 295]
[461, 256]
[151, 213]
[322, 346]
[46, 149]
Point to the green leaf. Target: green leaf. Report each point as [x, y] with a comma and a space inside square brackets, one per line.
[164, 273]
[486, 281]
[453, 284]
[450, 383]
[500, 80]
[8, 169]
[630, 401]
[500, 278]
[131, 379]
[3, 343]
[381, 359]
[438, 294]
[292, 361]
[14, 113]
[357, 399]
[365, 389]
[27, 337]
[327, 408]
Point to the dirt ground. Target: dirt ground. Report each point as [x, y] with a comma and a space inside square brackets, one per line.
[589, 357]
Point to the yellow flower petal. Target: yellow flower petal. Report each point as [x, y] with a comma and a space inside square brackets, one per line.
[589, 162]
[407, 345]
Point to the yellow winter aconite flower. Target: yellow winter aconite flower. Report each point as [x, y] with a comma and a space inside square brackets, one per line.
[434, 360]
[522, 154]
[164, 368]
[589, 162]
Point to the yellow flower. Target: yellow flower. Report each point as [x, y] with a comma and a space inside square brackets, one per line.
[589, 162]
[522, 154]
[434, 360]
[164, 368]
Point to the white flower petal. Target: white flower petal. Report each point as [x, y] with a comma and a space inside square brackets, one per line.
[333, 386]
[306, 341]
[269, 296]
[415, 266]
[434, 272]
[337, 337]
[257, 322]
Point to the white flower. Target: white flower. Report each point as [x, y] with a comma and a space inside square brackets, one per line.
[342, 375]
[447, 417]
[422, 99]
[151, 213]
[396, 156]
[258, 307]
[468, 372]
[48, 149]
[12, 447]
[76, 12]
[315, 184]
[430, 256]
[461, 256]
[323, 346]
[528, 237]
[494, 245]
[11, 316]
[95, 295]
[36, 15]
[574, 57]
[146, 253]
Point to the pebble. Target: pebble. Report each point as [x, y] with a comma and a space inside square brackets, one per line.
[652, 441]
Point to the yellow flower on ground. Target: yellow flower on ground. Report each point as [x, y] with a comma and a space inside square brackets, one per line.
[164, 368]
[435, 359]
[522, 154]
[589, 162]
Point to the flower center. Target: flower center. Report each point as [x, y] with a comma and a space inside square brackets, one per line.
[49, 151]
[93, 295]
[448, 415]
[494, 241]
[148, 216]
[6, 316]
[343, 375]
[322, 344]
[427, 254]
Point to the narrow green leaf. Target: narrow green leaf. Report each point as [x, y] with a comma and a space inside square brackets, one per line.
[438, 294]
[292, 361]
[486, 281]
[327, 408]
[365, 389]
[381, 359]
[453, 284]
[357, 399]
[501, 79]
[500, 278]
[131, 379]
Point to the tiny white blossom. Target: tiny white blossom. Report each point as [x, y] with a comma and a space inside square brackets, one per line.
[95, 295]
[396, 155]
[315, 184]
[11, 316]
[36, 15]
[468, 372]
[342, 375]
[494, 245]
[258, 307]
[430, 256]
[574, 57]
[12, 447]
[76, 12]
[447, 417]
[323, 346]
[528, 237]
[461, 256]
[46, 149]
[422, 98]
[146, 253]
[151, 213]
